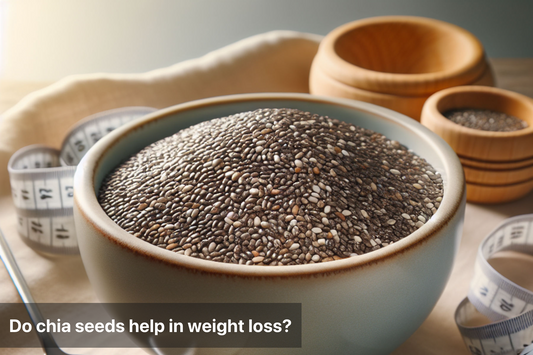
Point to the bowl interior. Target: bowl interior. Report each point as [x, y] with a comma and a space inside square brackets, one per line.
[488, 100]
[129, 139]
[394, 126]
[407, 47]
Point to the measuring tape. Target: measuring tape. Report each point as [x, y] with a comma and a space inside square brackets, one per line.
[42, 181]
[505, 303]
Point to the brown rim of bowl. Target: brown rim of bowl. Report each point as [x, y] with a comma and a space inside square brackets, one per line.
[91, 211]
[467, 71]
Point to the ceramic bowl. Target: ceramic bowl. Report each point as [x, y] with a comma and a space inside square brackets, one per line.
[367, 304]
[397, 61]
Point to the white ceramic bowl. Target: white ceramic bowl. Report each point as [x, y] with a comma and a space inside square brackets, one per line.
[367, 304]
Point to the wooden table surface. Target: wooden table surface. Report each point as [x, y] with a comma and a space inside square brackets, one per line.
[56, 278]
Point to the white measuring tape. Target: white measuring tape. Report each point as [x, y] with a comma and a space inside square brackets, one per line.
[507, 304]
[42, 181]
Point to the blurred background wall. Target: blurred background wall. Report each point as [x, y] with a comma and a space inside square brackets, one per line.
[43, 40]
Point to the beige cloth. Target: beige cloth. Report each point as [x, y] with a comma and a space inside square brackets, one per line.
[272, 62]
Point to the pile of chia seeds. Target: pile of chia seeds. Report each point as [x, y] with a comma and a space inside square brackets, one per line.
[272, 187]
[485, 120]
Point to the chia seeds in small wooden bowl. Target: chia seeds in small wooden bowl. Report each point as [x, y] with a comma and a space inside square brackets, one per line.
[485, 120]
[272, 187]
[491, 130]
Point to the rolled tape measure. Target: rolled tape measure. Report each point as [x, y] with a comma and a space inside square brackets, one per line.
[507, 304]
[42, 181]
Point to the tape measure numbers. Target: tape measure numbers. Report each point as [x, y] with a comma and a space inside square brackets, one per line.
[42, 181]
[507, 304]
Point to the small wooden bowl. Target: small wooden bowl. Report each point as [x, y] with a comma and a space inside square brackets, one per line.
[497, 177]
[479, 193]
[320, 83]
[503, 165]
[401, 55]
[477, 144]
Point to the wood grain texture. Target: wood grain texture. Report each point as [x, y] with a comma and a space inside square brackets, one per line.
[437, 336]
[320, 83]
[492, 194]
[497, 177]
[500, 165]
[401, 55]
[478, 144]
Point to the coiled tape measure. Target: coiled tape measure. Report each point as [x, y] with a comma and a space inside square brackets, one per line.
[42, 181]
[507, 304]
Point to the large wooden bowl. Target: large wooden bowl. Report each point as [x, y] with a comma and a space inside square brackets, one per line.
[401, 55]
[498, 177]
[477, 144]
[320, 83]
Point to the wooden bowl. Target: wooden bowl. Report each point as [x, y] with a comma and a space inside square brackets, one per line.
[486, 185]
[320, 83]
[401, 55]
[477, 144]
[497, 194]
[497, 177]
[496, 165]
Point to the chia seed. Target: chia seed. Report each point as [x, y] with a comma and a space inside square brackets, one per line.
[317, 190]
[485, 120]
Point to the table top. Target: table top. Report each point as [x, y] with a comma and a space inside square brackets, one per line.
[63, 274]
